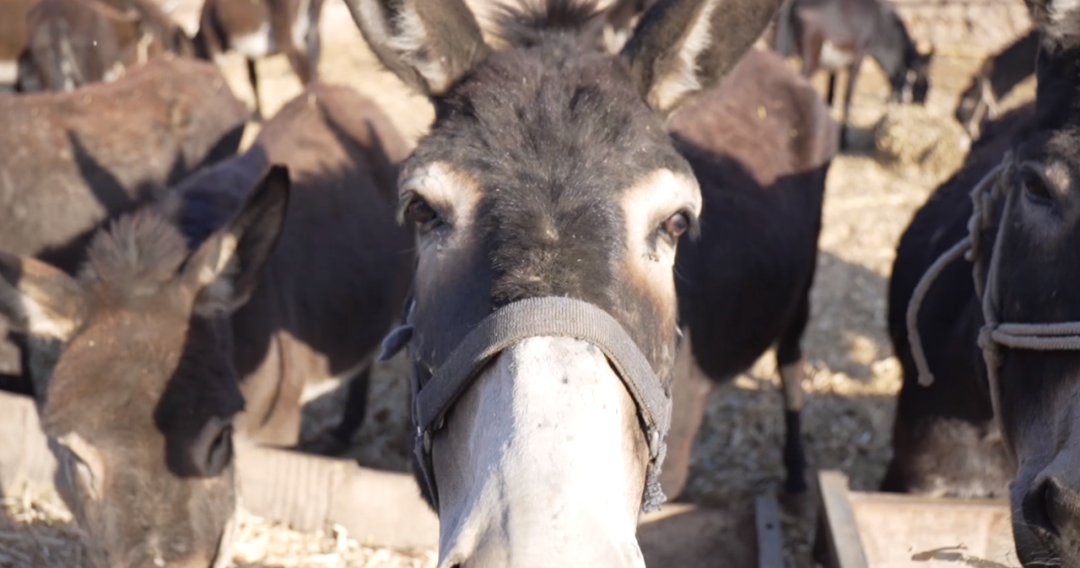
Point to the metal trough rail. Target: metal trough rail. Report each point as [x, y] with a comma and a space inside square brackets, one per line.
[884, 530]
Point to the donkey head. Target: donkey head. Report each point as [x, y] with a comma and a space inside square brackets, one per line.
[1037, 262]
[142, 397]
[548, 172]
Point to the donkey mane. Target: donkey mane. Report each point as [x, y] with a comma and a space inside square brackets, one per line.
[136, 256]
[532, 22]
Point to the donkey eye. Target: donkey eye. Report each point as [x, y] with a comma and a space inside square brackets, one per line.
[85, 476]
[79, 473]
[1035, 186]
[419, 212]
[676, 225]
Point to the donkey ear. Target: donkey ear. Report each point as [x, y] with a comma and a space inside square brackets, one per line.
[428, 44]
[40, 300]
[225, 270]
[619, 22]
[682, 47]
[1058, 20]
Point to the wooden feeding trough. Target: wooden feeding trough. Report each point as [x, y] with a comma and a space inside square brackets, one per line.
[884, 530]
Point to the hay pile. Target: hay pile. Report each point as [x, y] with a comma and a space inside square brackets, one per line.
[37, 533]
[915, 136]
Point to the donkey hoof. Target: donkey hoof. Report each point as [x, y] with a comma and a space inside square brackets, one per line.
[795, 485]
[797, 504]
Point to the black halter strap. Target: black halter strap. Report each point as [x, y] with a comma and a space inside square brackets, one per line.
[539, 317]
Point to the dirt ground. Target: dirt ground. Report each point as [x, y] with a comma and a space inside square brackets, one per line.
[852, 379]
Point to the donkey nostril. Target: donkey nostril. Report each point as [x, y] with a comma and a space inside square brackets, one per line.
[1036, 507]
[1055, 508]
[1063, 509]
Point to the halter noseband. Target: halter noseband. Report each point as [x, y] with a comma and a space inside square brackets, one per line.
[536, 317]
[994, 334]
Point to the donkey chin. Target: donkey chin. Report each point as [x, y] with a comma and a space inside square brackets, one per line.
[204, 541]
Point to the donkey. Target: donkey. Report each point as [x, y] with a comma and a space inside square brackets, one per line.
[944, 440]
[260, 28]
[76, 42]
[548, 201]
[836, 35]
[69, 161]
[994, 79]
[140, 407]
[1016, 307]
[12, 42]
[202, 315]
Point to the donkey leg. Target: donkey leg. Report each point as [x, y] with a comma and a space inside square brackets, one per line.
[314, 49]
[830, 95]
[690, 392]
[355, 408]
[253, 78]
[849, 91]
[790, 362]
[301, 65]
[29, 79]
[810, 45]
[313, 43]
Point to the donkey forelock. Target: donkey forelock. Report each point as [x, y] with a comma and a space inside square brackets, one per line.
[529, 22]
[137, 256]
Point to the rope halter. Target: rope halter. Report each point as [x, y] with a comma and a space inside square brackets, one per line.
[994, 334]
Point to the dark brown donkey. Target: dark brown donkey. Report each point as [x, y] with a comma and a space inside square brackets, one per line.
[548, 185]
[944, 439]
[12, 41]
[68, 161]
[260, 28]
[341, 270]
[185, 326]
[75, 42]
[836, 35]
[1001, 337]
[760, 145]
[994, 79]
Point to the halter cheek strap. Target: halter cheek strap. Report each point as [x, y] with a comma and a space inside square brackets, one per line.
[538, 317]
